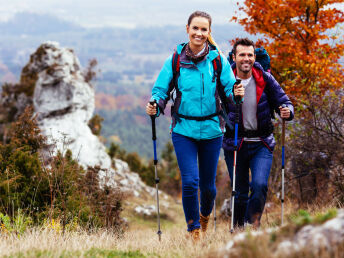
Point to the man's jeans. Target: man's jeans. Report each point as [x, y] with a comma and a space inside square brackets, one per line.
[197, 161]
[257, 157]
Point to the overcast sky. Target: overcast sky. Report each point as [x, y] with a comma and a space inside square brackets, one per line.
[126, 13]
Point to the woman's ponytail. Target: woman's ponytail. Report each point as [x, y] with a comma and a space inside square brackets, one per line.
[212, 42]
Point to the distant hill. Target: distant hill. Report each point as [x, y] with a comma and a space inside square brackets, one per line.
[26, 23]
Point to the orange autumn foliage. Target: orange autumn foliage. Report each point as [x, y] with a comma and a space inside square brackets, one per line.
[302, 39]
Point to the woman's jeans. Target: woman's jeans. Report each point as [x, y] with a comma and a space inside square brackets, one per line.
[257, 157]
[197, 161]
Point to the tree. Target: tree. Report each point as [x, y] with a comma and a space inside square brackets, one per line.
[297, 35]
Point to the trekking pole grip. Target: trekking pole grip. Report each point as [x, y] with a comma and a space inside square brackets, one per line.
[237, 98]
[237, 103]
[153, 122]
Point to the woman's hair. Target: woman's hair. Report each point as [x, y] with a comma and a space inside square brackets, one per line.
[208, 17]
[199, 14]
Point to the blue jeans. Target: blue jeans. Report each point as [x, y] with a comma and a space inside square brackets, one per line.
[257, 157]
[197, 161]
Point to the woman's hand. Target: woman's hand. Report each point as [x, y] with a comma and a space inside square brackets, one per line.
[239, 90]
[151, 109]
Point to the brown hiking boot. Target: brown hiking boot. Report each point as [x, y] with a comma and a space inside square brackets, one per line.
[195, 234]
[203, 220]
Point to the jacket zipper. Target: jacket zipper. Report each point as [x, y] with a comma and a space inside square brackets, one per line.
[203, 83]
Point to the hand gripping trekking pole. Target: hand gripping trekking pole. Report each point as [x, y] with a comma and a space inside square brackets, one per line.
[156, 172]
[283, 153]
[237, 108]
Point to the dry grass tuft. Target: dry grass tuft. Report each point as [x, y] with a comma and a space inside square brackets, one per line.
[174, 243]
[141, 240]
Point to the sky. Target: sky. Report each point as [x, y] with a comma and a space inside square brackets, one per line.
[124, 13]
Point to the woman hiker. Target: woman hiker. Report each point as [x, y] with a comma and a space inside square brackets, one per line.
[197, 129]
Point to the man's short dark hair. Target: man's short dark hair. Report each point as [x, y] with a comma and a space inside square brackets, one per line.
[243, 42]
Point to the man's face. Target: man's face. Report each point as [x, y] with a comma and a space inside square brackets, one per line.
[244, 58]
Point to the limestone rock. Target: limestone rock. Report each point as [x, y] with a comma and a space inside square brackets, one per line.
[314, 238]
[145, 210]
[64, 103]
[327, 236]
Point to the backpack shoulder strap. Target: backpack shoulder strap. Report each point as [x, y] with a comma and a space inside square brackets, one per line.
[175, 68]
[217, 64]
[175, 62]
[267, 91]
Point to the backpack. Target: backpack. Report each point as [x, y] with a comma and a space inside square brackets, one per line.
[221, 100]
[263, 58]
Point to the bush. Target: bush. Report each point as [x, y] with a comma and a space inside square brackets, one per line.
[58, 188]
[317, 159]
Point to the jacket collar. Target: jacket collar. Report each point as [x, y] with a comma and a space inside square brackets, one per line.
[213, 53]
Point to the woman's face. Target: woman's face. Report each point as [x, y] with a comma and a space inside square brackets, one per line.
[198, 31]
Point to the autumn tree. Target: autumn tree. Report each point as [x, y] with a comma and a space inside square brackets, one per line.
[303, 40]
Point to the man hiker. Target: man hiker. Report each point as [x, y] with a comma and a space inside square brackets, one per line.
[262, 95]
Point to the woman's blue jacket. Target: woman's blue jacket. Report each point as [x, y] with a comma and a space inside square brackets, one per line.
[197, 93]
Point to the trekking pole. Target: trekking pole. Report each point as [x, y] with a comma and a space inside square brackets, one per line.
[237, 108]
[215, 215]
[283, 153]
[156, 172]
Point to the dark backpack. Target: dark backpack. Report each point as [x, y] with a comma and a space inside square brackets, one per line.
[221, 100]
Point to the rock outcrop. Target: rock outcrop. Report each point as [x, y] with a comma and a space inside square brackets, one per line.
[64, 103]
[328, 237]
[325, 236]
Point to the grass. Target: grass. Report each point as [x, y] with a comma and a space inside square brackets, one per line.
[141, 240]
[138, 243]
[94, 252]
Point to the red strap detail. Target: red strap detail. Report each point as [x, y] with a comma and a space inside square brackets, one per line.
[215, 65]
[260, 83]
[178, 64]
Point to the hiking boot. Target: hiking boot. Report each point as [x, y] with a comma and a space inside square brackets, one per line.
[203, 220]
[195, 234]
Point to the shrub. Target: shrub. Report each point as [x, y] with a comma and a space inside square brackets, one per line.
[58, 188]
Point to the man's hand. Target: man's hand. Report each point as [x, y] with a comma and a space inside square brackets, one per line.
[285, 112]
[151, 109]
[239, 90]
